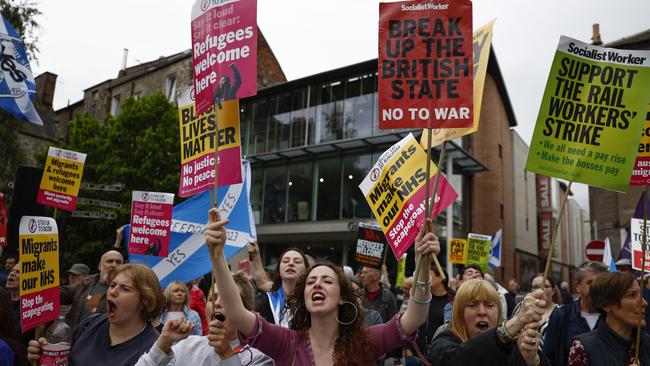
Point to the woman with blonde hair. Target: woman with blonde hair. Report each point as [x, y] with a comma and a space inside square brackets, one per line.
[326, 328]
[177, 300]
[120, 336]
[478, 335]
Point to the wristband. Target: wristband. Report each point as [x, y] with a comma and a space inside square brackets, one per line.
[418, 301]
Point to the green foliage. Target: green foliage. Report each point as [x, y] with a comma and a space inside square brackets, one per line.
[139, 148]
[22, 15]
[12, 153]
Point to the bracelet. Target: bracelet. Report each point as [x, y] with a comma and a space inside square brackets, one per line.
[422, 286]
[418, 301]
[503, 332]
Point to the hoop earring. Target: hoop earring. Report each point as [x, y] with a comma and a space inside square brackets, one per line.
[356, 313]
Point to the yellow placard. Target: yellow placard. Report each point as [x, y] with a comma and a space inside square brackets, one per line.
[457, 251]
[481, 39]
[39, 255]
[197, 132]
[62, 175]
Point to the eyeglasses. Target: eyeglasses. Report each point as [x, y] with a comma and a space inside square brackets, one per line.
[537, 287]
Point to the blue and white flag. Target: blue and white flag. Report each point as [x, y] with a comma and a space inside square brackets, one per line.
[188, 256]
[495, 251]
[17, 86]
[608, 259]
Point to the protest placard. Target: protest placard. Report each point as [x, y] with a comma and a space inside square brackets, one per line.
[61, 179]
[371, 246]
[457, 251]
[641, 171]
[3, 221]
[39, 271]
[197, 145]
[481, 42]
[591, 116]
[636, 239]
[425, 64]
[478, 250]
[224, 51]
[151, 219]
[395, 191]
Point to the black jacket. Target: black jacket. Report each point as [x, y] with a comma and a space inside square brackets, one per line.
[485, 350]
[605, 347]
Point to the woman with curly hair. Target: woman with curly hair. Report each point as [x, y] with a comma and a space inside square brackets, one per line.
[326, 328]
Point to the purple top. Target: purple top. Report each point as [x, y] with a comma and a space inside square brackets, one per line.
[279, 343]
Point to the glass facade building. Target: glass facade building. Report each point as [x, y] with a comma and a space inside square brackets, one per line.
[311, 142]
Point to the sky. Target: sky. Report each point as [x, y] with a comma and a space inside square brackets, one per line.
[83, 41]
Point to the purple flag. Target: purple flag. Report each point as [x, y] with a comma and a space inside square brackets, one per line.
[626, 251]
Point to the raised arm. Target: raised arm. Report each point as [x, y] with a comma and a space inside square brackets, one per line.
[420, 296]
[215, 237]
[259, 275]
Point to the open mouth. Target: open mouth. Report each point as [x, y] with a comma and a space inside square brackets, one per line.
[112, 308]
[318, 298]
[290, 271]
[219, 316]
[482, 326]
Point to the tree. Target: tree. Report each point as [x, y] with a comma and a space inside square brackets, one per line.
[139, 148]
[12, 154]
[21, 15]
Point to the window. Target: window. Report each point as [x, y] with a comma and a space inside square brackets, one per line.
[300, 189]
[115, 105]
[328, 183]
[257, 138]
[256, 194]
[358, 109]
[500, 151]
[298, 117]
[170, 88]
[355, 169]
[329, 111]
[275, 193]
[280, 122]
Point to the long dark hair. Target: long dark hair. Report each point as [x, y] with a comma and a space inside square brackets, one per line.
[277, 280]
[352, 347]
[9, 330]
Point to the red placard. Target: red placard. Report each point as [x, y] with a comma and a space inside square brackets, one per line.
[3, 221]
[425, 64]
[224, 51]
[151, 219]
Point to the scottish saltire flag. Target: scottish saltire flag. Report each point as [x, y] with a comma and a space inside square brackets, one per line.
[188, 255]
[608, 259]
[17, 87]
[495, 250]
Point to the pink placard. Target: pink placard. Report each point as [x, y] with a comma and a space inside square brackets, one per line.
[151, 217]
[224, 50]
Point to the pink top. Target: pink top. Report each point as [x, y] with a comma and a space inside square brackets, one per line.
[279, 343]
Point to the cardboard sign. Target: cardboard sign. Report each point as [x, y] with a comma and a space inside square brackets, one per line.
[39, 271]
[61, 179]
[224, 51]
[592, 114]
[641, 171]
[3, 221]
[481, 42]
[197, 146]
[371, 246]
[457, 251]
[478, 250]
[151, 219]
[395, 190]
[636, 239]
[425, 64]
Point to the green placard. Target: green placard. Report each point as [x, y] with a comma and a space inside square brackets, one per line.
[478, 250]
[589, 124]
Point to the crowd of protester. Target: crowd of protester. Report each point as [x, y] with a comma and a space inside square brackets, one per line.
[308, 312]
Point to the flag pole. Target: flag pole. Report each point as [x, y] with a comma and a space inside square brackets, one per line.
[644, 247]
[427, 202]
[215, 202]
[547, 269]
